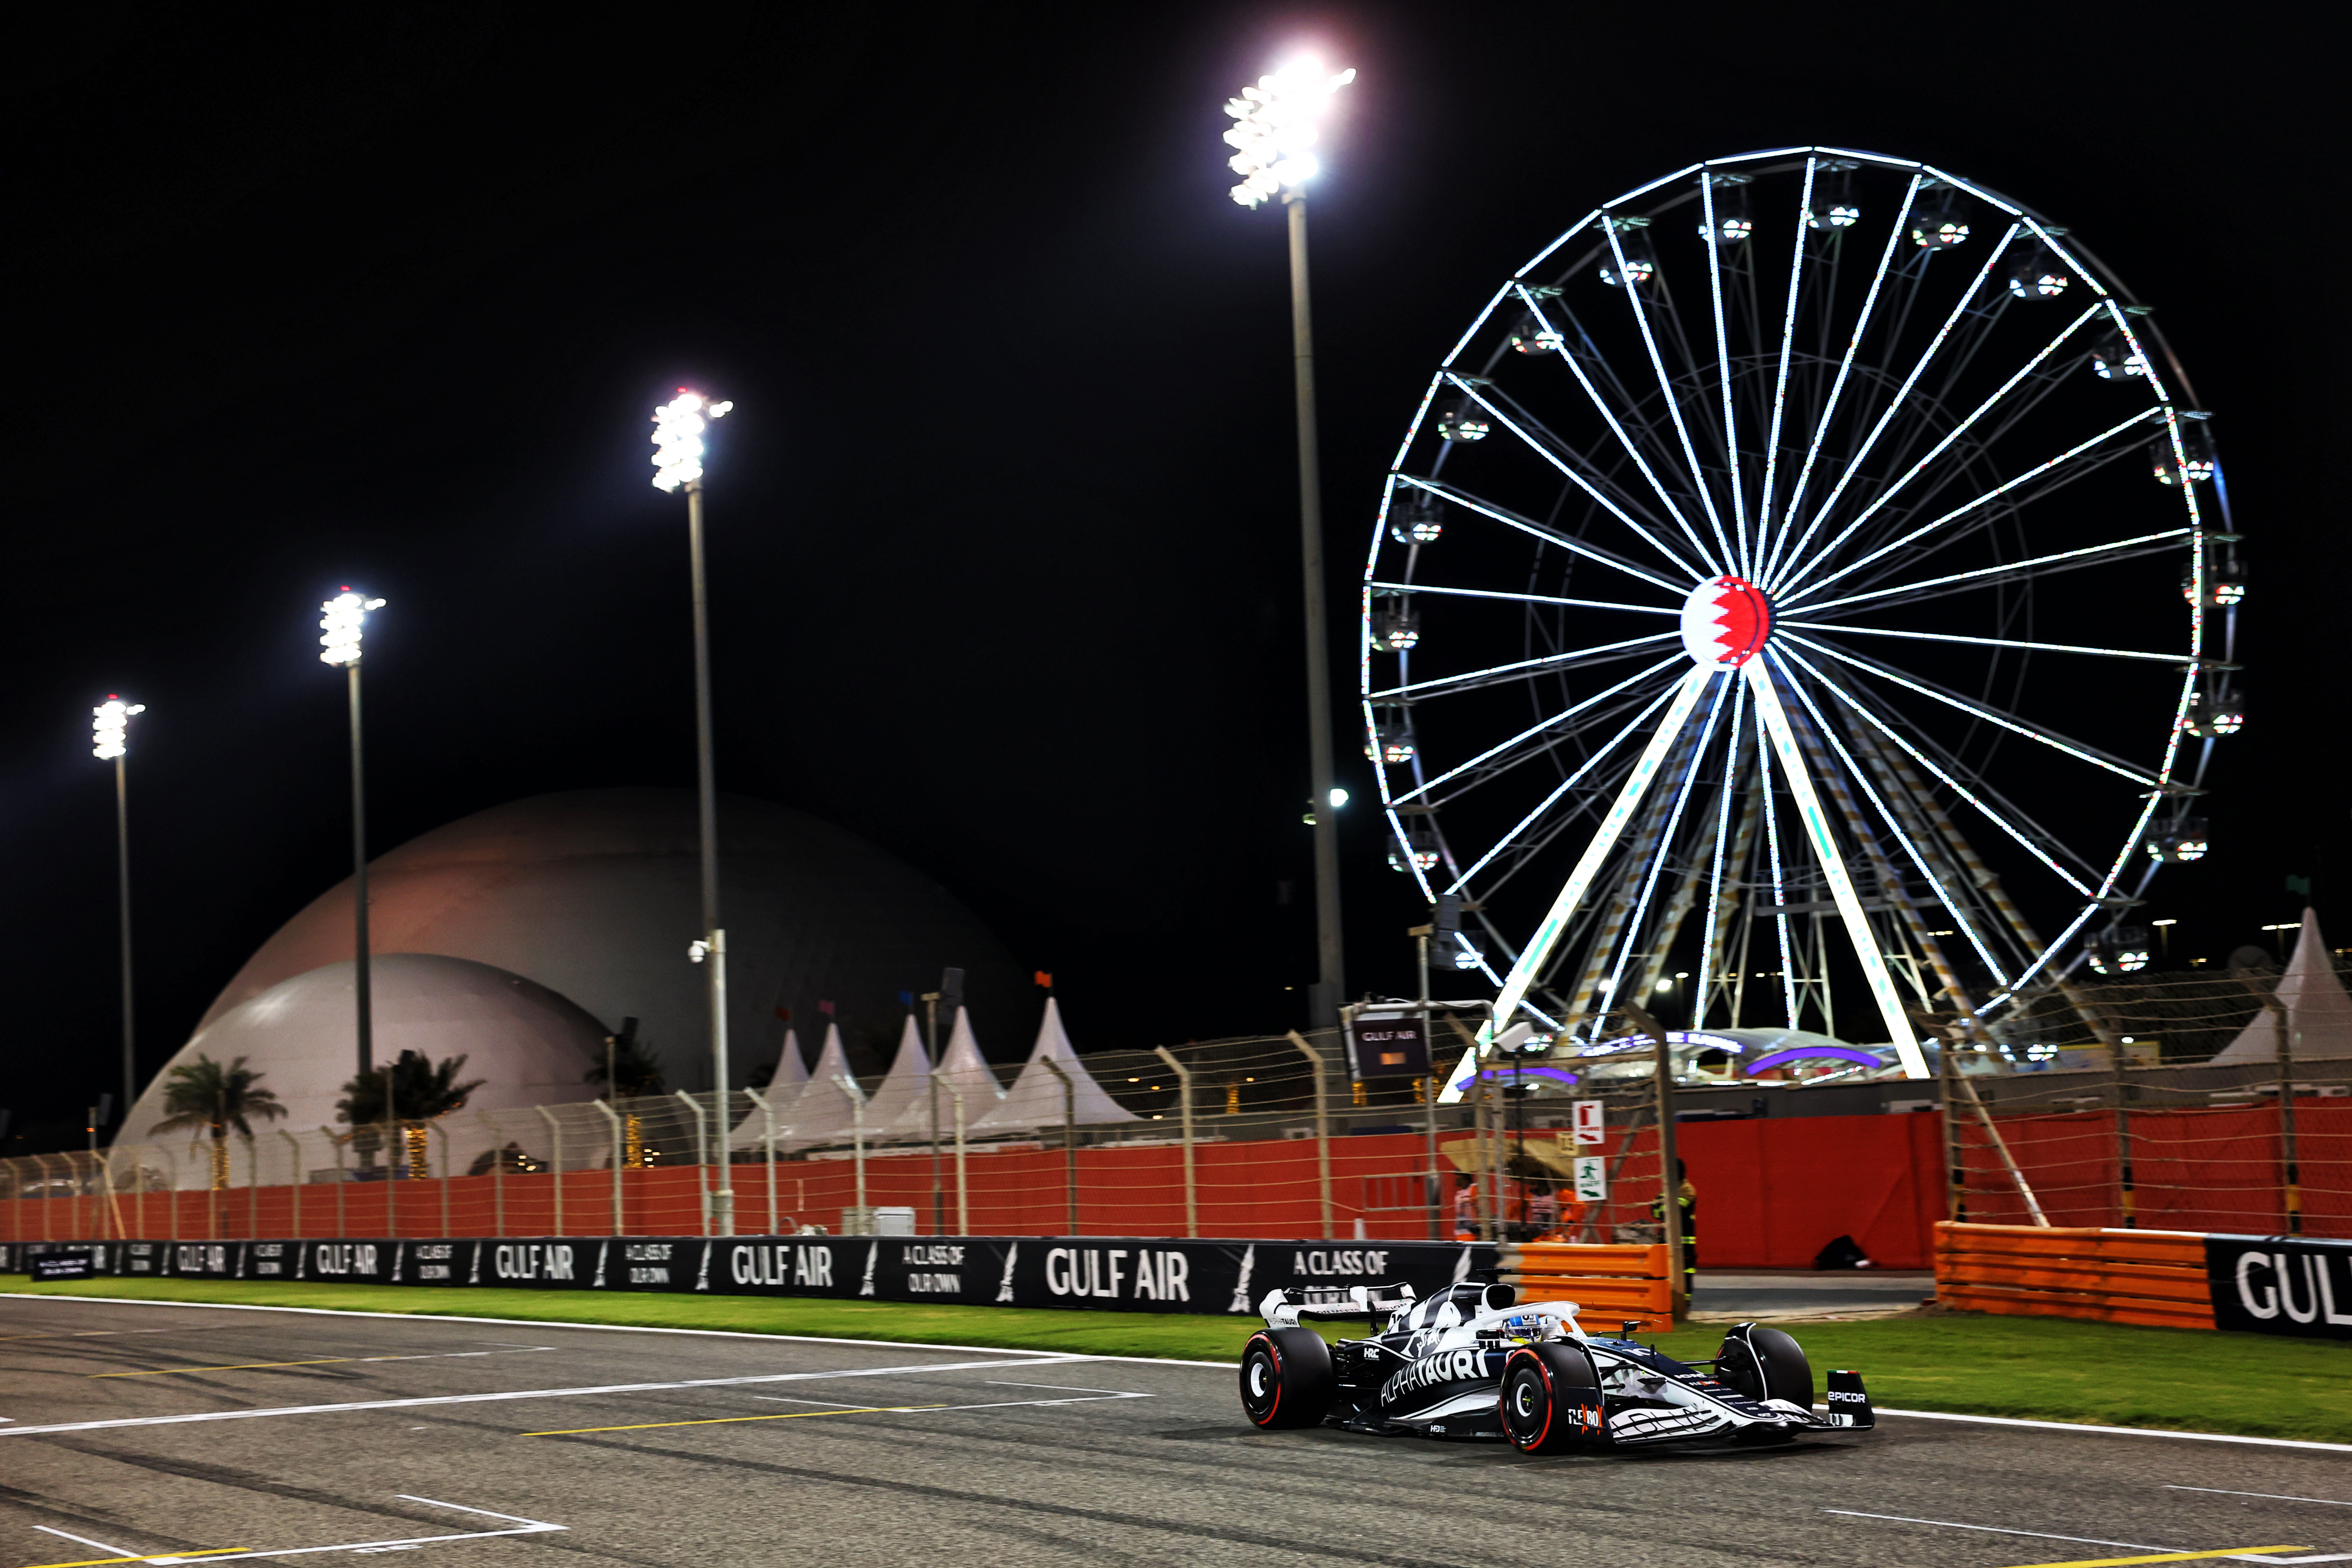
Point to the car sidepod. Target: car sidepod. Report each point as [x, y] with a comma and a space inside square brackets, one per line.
[1448, 1391]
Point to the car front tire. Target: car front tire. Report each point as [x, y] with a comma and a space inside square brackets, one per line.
[1550, 1400]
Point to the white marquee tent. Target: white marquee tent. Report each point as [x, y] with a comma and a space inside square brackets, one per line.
[2318, 1013]
[1036, 1098]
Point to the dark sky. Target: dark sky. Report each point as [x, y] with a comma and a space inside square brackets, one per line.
[1003, 549]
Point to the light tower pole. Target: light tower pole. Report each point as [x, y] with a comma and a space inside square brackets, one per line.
[1275, 126]
[111, 740]
[678, 427]
[343, 619]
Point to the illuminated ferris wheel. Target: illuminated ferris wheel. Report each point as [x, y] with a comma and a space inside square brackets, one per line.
[1809, 575]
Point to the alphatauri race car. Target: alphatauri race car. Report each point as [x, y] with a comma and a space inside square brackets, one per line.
[1470, 1362]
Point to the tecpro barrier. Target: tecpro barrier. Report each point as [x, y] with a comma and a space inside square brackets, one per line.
[2189, 1279]
[1127, 1274]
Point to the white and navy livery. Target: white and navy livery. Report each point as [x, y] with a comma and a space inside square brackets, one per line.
[1472, 1362]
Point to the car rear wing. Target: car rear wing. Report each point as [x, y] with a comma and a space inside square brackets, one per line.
[1283, 1308]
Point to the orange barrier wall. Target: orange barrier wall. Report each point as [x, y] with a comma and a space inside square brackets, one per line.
[2156, 1278]
[1606, 1281]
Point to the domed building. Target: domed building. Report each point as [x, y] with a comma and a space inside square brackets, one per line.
[523, 935]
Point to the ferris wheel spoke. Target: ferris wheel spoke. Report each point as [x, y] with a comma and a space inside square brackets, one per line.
[2075, 749]
[2030, 842]
[1617, 427]
[1733, 772]
[1820, 557]
[1795, 594]
[1523, 598]
[1550, 448]
[1992, 576]
[1552, 536]
[1674, 408]
[1544, 727]
[1523, 670]
[1962, 914]
[1780, 881]
[1663, 849]
[1837, 384]
[1845, 629]
[1723, 377]
[1854, 464]
[1758, 674]
[1536, 956]
[1781, 377]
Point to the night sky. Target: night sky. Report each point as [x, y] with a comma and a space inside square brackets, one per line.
[1002, 533]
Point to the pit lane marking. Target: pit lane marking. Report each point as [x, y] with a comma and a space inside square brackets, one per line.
[233, 1554]
[83, 1540]
[2275, 1497]
[854, 1410]
[322, 1361]
[158, 1557]
[415, 1402]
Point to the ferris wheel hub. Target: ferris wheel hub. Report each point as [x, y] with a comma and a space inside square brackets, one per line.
[1725, 621]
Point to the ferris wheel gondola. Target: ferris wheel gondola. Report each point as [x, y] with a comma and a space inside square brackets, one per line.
[1772, 578]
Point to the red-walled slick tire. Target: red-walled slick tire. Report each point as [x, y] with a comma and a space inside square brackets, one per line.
[1550, 1400]
[1287, 1378]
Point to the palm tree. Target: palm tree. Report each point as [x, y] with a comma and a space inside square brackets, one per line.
[412, 1091]
[204, 1096]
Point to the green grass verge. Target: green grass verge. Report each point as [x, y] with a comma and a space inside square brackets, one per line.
[2044, 1369]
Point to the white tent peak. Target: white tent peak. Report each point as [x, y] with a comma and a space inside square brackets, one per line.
[824, 1113]
[2318, 1013]
[962, 1067]
[792, 1071]
[902, 1108]
[1035, 1098]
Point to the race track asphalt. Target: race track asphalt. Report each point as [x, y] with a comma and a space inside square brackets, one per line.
[122, 1440]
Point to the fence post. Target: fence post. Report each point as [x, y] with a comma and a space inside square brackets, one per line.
[768, 1137]
[437, 1127]
[964, 1208]
[342, 1177]
[172, 1176]
[856, 1148]
[702, 1159]
[1069, 1140]
[555, 1162]
[294, 1162]
[614, 1123]
[44, 1164]
[498, 1175]
[1322, 1129]
[1185, 1096]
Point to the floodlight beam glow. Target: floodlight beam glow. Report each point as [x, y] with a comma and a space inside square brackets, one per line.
[111, 728]
[345, 616]
[678, 447]
[1275, 126]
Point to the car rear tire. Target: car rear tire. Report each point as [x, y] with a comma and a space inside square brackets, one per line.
[1287, 1378]
[1550, 1401]
[1765, 1364]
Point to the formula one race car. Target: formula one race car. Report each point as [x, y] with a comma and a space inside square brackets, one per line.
[1471, 1363]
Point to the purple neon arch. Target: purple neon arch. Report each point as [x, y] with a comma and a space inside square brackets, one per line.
[1801, 1053]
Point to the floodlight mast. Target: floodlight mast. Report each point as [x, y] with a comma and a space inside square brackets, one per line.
[341, 622]
[1275, 126]
[678, 428]
[110, 741]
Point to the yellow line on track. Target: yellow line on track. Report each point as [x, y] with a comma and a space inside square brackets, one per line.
[152, 1556]
[2162, 1557]
[730, 1420]
[247, 1366]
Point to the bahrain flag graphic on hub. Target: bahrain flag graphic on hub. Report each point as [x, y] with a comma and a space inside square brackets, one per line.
[1724, 621]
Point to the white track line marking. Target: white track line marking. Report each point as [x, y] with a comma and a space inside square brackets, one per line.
[1224, 1366]
[514, 1393]
[321, 1361]
[2275, 1497]
[2083, 1539]
[86, 1540]
[1063, 1387]
[528, 1527]
[2120, 1431]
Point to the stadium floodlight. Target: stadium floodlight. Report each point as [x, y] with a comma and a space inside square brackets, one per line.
[678, 447]
[343, 618]
[110, 729]
[1276, 125]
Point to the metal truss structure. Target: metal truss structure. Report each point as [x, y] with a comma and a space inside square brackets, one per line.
[1810, 569]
